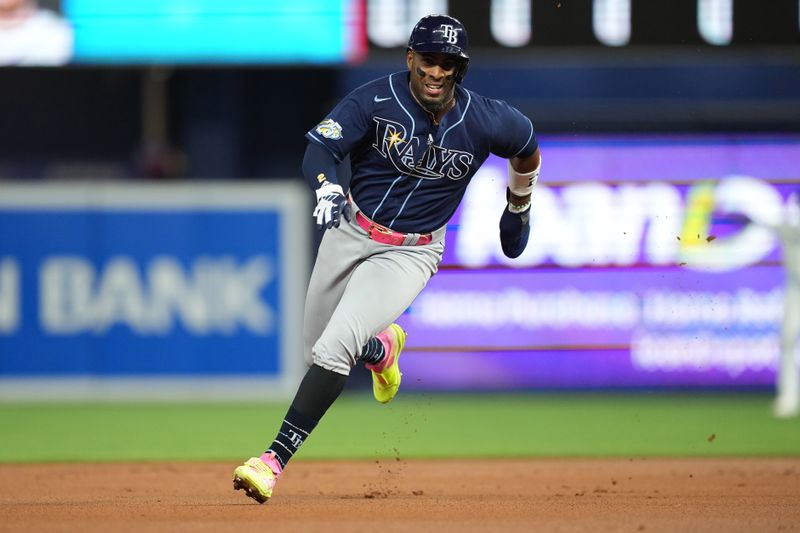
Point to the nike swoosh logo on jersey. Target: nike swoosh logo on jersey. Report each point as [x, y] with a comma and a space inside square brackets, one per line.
[376, 99]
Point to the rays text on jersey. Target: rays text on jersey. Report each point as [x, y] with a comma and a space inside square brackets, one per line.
[416, 158]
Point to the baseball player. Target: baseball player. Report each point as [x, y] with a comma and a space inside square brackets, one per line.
[787, 399]
[787, 229]
[415, 139]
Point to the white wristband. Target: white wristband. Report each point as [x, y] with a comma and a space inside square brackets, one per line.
[522, 184]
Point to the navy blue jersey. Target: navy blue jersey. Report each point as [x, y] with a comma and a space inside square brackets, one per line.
[408, 173]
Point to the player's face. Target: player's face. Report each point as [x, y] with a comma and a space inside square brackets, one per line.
[432, 78]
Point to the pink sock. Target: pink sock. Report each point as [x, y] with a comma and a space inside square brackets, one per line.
[383, 336]
[268, 458]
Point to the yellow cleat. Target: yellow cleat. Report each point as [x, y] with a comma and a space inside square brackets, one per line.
[256, 479]
[386, 375]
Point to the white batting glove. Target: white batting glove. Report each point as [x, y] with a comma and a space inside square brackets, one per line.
[331, 206]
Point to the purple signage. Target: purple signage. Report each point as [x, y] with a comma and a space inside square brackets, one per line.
[642, 270]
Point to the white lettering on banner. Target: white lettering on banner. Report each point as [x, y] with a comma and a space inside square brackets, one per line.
[9, 295]
[516, 308]
[214, 295]
[65, 286]
[119, 298]
[477, 243]
[699, 352]
[655, 310]
[744, 308]
[585, 224]
[172, 293]
[737, 194]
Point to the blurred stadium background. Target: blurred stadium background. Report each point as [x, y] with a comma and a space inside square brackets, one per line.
[155, 235]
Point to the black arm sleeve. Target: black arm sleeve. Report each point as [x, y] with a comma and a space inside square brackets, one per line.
[319, 165]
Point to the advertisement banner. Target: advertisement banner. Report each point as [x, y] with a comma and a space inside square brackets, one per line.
[178, 288]
[650, 263]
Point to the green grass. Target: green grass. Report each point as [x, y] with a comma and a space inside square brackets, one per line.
[555, 425]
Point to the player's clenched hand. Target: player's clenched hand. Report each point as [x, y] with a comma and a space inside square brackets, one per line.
[331, 206]
[515, 227]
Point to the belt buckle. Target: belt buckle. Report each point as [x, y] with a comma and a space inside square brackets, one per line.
[390, 236]
[379, 229]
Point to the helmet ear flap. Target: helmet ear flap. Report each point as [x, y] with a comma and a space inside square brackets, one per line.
[461, 71]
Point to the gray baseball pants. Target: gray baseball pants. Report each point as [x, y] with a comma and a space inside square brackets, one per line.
[357, 288]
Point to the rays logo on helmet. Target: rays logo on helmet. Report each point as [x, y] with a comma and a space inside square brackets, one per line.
[449, 33]
[330, 129]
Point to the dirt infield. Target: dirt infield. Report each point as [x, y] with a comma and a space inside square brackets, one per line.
[442, 496]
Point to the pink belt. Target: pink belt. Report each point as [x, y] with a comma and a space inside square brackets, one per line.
[384, 235]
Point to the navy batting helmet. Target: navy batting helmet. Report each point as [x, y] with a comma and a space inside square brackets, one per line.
[441, 34]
